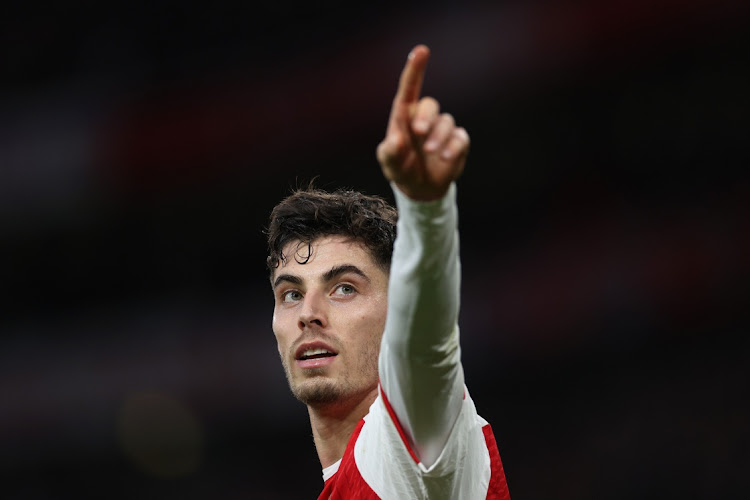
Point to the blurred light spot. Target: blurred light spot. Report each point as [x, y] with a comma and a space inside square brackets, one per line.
[160, 435]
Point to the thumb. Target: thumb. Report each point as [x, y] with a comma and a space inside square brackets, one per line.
[391, 152]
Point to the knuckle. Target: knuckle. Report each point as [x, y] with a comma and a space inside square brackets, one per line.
[429, 104]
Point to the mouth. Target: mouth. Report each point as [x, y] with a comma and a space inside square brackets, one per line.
[315, 355]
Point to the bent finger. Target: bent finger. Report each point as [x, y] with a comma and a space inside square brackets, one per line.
[457, 145]
[425, 116]
[441, 132]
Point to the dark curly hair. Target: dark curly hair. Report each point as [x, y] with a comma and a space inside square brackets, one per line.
[310, 213]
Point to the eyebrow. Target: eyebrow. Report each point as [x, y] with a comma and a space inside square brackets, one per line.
[337, 271]
[329, 275]
[288, 278]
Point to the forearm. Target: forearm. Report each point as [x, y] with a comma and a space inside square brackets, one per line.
[420, 367]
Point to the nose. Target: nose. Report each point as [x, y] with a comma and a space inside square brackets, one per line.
[313, 311]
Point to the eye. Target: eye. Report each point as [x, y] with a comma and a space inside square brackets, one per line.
[291, 296]
[345, 289]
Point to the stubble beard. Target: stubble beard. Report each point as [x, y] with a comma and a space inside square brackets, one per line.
[317, 390]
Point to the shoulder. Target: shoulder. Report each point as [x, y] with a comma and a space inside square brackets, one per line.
[377, 462]
[346, 481]
[387, 464]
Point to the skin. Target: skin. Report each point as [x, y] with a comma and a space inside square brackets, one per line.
[337, 298]
[423, 152]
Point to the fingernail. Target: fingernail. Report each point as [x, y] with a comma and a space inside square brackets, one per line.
[430, 146]
[447, 153]
[411, 55]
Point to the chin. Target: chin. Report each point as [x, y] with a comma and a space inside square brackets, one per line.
[317, 392]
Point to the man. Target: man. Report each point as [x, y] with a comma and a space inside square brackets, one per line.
[367, 328]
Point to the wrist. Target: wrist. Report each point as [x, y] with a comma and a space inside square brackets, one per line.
[421, 194]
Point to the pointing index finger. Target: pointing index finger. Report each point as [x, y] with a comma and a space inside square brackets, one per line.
[410, 83]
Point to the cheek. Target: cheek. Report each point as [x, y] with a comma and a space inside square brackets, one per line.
[277, 324]
[373, 320]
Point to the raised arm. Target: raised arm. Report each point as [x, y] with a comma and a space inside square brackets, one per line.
[422, 155]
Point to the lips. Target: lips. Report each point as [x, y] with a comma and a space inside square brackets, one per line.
[314, 355]
[314, 350]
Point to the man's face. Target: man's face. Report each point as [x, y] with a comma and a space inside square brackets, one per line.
[328, 319]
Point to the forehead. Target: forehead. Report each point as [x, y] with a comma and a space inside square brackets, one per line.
[325, 252]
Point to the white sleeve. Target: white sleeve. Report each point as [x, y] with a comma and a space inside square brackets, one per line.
[420, 358]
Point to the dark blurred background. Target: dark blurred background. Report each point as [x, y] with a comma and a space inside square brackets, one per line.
[605, 224]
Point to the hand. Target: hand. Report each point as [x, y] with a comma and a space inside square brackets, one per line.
[423, 150]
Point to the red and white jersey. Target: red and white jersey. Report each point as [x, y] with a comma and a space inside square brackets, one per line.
[422, 437]
[379, 464]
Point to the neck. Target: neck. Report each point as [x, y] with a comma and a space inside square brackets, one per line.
[332, 426]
